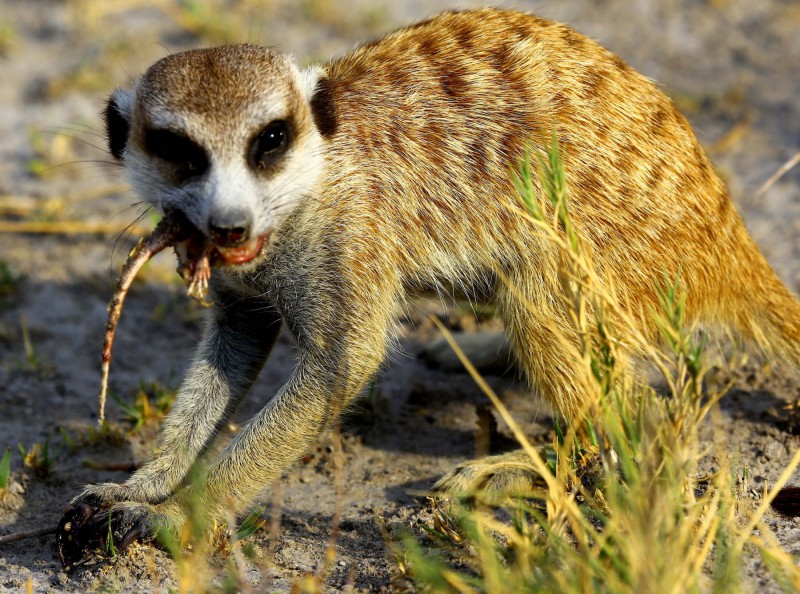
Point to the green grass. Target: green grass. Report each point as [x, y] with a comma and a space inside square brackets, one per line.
[109, 434]
[5, 469]
[31, 359]
[250, 525]
[150, 404]
[9, 284]
[39, 458]
[111, 550]
[33, 362]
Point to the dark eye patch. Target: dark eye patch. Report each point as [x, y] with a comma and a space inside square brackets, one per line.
[269, 145]
[189, 157]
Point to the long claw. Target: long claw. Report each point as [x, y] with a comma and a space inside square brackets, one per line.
[132, 535]
[87, 529]
[83, 511]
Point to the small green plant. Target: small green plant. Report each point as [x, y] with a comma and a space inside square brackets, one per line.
[33, 362]
[9, 284]
[71, 444]
[250, 525]
[5, 469]
[27, 343]
[93, 434]
[38, 458]
[111, 550]
[150, 404]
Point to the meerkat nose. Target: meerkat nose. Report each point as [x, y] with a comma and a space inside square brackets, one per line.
[230, 229]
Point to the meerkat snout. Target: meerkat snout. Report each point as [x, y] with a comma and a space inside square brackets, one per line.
[229, 229]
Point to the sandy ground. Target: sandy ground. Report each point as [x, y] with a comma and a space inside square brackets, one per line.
[732, 66]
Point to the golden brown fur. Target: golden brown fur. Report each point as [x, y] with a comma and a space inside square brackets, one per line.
[416, 136]
[452, 103]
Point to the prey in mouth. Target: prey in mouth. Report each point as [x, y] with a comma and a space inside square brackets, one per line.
[196, 255]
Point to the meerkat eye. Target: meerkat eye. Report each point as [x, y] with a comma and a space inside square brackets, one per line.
[190, 158]
[268, 146]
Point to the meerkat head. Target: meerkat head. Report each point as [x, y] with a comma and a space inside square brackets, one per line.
[230, 137]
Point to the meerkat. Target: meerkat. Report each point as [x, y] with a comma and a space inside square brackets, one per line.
[328, 197]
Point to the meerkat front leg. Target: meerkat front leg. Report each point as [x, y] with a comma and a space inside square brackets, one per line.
[237, 340]
[340, 351]
[342, 347]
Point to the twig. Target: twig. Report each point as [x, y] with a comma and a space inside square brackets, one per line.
[17, 205]
[68, 227]
[784, 169]
[25, 205]
[109, 466]
[8, 538]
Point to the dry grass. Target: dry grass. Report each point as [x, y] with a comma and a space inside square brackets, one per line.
[639, 518]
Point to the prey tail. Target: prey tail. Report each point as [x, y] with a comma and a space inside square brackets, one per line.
[169, 231]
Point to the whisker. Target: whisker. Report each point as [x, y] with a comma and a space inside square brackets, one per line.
[77, 138]
[125, 233]
[80, 162]
[67, 129]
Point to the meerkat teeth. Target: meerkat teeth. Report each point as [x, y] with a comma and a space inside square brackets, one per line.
[243, 253]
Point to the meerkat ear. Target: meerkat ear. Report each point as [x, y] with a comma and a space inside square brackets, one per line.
[117, 114]
[323, 107]
[318, 91]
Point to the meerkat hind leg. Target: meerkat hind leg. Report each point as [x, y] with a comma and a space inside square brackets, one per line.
[491, 479]
[548, 352]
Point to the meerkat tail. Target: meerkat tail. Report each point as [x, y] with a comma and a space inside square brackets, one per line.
[168, 232]
[783, 317]
[767, 312]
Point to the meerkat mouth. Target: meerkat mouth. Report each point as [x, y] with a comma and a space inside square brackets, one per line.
[241, 254]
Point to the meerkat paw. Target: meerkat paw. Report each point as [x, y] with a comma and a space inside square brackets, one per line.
[102, 492]
[491, 479]
[91, 524]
